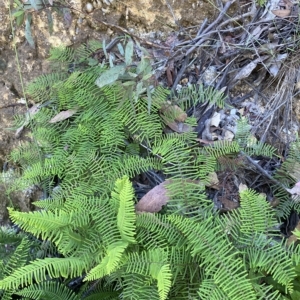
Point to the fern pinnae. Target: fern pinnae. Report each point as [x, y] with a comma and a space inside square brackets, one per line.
[187, 251]
[47, 291]
[126, 214]
[110, 262]
[38, 269]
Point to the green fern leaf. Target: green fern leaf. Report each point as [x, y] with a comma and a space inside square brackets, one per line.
[123, 193]
[39, 269]
[48, 291]
[110, 262]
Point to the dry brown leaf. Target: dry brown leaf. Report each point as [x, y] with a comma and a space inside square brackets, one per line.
[282, 13]
[30, 113]
[247, 70]
[173, 111]
[215, 119]
[180, 127]
[229, 205]
[206, 142]
[242, 187]
[63, 115]
[297, 85]
[295, 190]
[213, 180]
[228, 136]
[154, 200]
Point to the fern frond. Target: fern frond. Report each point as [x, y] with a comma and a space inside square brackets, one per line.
[263, 254]
[243, 132]
[136, 287]
[222, 148]
[255, 214]
[41, 88]
[48, 290]
[152, 263]
[19, 257]
[210, 290]
[61, 54]
[260, 149]
[219, 257]
[51, 225]
[110, 262]
[193, 94]
[39, 269]
[123, 195]
[156, 231]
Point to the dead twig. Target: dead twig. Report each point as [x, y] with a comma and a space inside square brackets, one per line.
[211, 26]
[264, 172]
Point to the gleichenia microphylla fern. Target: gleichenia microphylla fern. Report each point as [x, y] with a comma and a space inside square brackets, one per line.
[85, 165]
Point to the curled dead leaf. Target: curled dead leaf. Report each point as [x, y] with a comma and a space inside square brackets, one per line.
[242, 187]
[30, 113]
[293, 238]
[63, 115]
[228, 135]
[213, 180]
[247, 70]
[173, 112]
[215, 119]
[282, 13]
[179, 127]
[154, 200]
[295, 190]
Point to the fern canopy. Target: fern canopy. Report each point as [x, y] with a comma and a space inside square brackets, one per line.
[112, 132]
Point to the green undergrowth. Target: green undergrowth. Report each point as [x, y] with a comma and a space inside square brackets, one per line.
[98, 129]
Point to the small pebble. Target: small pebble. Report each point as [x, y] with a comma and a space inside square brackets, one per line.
[97, 4]
[89, 7]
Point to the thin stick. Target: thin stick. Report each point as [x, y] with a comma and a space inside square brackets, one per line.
[224, 10]
[181, 71]
[263, 172]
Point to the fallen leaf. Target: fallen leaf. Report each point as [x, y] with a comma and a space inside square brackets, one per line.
[213, 180]
[282, 13]
[287, 4]
[215, 119]
[229, 205]
[154, 200]
[247, 70]
[179, 127]
[30, 113]
[173, 112]
[276, 63]
[228, 136]
[295, 190]
[63, 115]
[242, 187]
[297, 85]
[206, 142]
